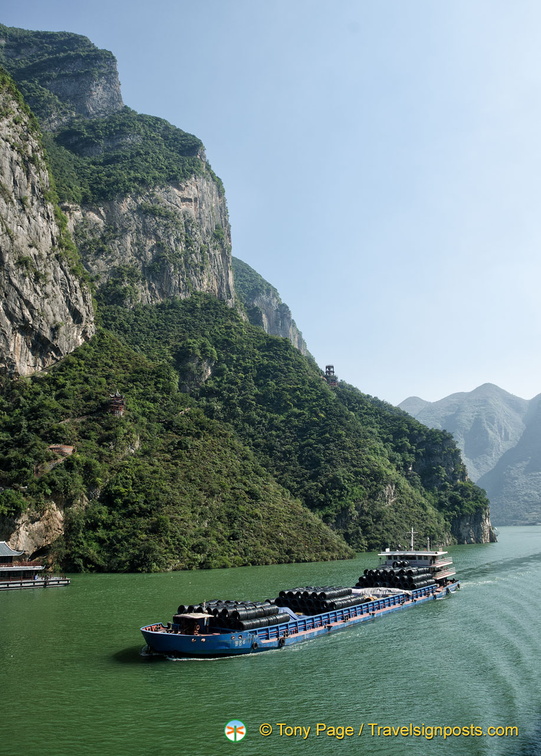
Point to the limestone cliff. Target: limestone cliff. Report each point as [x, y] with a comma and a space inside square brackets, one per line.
[34, 532]
[147, 212]
[264, 306]
[61, 75]
[164, 242]
[45, 309]
[474, 528]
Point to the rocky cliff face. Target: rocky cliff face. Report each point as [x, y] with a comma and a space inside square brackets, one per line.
[144, 238]
[45, 309]
[264, 306]
[475, 528]
[165, 242]
[61, 75]
[33, 532]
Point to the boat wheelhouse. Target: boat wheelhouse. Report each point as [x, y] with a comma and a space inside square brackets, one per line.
[437, 563]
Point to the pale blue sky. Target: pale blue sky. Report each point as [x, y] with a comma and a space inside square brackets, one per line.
[381, 160]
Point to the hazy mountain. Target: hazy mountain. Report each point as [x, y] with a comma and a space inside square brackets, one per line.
[500, 438]
[413, 405]
[514, 483]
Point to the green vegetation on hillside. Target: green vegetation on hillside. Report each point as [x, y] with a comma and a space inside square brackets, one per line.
[429, 457]
[227, 473]
[123, 153]
[345, 455]
[161, 487]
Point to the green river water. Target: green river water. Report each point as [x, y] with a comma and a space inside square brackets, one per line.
[73, 682]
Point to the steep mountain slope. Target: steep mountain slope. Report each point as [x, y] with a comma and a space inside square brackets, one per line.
[232, 449]
[514, 483]
[145, 209]
[367, 468]
[161, 487]
[485, 422]
[500, 436]
[45, 304]
[264, 306]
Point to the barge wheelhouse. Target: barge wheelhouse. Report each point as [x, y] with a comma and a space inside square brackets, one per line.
[437, 563]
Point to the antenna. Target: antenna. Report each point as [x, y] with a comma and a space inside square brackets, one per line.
[413, 532]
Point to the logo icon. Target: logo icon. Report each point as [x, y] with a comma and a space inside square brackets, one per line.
[235, 730]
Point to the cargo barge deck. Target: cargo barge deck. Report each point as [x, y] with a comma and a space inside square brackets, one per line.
[222, 628]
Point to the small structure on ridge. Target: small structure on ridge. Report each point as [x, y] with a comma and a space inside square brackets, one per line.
[117, 404]
[330, 377]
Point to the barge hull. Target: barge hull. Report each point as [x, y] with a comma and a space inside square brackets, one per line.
[161, 640]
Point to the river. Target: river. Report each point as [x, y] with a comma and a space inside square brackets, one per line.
[75, 684]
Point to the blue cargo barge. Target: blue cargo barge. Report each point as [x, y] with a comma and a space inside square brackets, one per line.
[197, 631]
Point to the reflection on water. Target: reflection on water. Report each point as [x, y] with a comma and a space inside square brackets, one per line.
[133, 656]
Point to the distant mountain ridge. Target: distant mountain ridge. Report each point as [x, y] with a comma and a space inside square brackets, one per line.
[500, 438]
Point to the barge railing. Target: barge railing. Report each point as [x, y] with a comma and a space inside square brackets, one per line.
[307, 622]
[303, 624]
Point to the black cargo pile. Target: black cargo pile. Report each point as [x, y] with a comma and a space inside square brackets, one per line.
[237, 615]
[406, 578]
[315, 600]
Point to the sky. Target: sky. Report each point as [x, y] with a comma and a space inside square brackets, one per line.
[381, 161]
